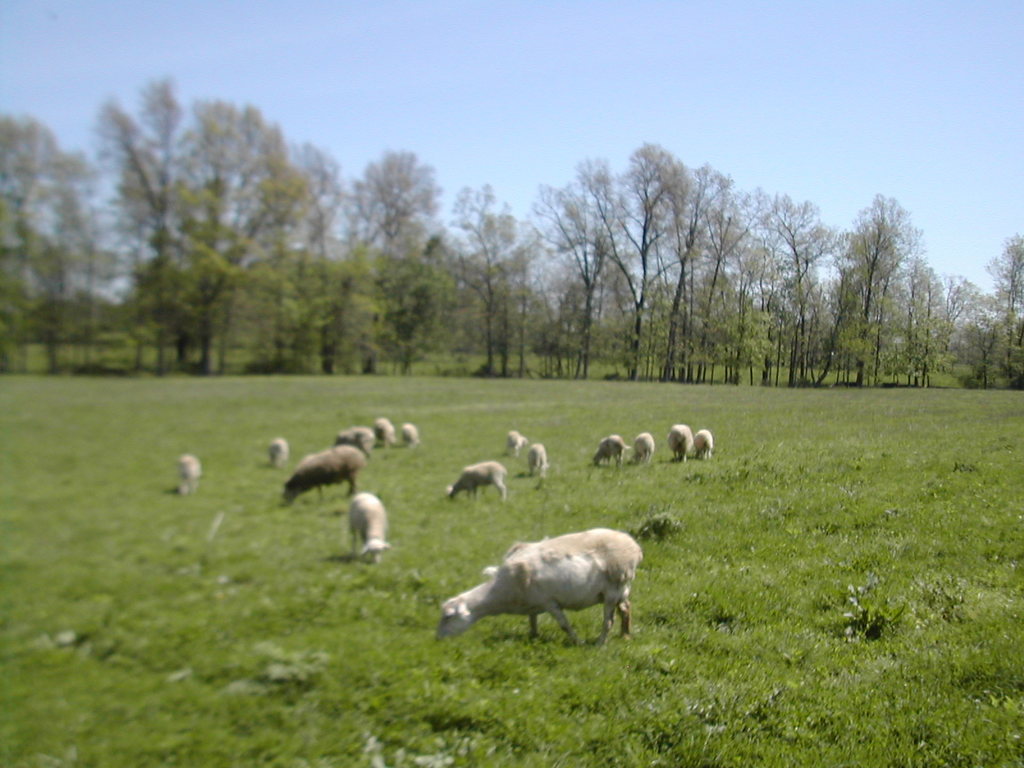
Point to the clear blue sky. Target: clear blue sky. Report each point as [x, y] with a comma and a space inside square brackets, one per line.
[831, 102]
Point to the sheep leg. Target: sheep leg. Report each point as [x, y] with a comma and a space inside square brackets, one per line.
[501, 487]
[556, 610]
[606, 625]
[624, 617]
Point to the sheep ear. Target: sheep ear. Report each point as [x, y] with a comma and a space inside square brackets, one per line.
[462, 610]
[490, 571]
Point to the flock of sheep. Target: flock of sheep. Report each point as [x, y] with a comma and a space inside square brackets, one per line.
[569, 572]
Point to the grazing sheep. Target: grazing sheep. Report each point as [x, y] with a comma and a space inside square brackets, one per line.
[537, 460]
[515, 443]
[703, 444]
[643, 447]
[569, 572]
[410, 435]
[342, 462]
[384, 431]
[368, 521]
[278, 451]
[189, 472]
[611, 447]
[680, 440]
[360, 437]
[475, 475]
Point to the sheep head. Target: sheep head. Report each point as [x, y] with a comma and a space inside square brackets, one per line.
[455, 618]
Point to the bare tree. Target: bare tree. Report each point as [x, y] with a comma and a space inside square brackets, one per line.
[633, 212]
[573, 230]
[690, 197]
[795, 234]
[392, 207]
[726, 229]
[493, 257]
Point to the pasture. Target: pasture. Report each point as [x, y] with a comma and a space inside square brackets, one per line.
[840, 584]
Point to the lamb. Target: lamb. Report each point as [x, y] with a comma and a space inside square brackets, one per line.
[410, 435]
[342, 462]
[611, 447]
[568, 572]
[360, 437]
[278, 452]
[537, 460]
[680, 440]
[475, 475]
[515, 443]
[368, 521]
[189, 472]
[703, 444]
[643, 447]
[384, 431]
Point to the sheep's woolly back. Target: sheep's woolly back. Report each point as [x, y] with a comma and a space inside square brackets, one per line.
[189, 472]
[610, 447]
[515, 442]
[476, 475]
[368, 520]
[643, 447]
[384, 431]
[360, 437]
[703, 444]
[342, 462]
[537, 459]
[410, 435]
[616, 553]
[680, 440]
[278, 451]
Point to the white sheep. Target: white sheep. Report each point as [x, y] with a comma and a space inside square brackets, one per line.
[611, 447]
[537, 460]
[358, 437]
[703, 444]
[515, 442]
[568, 572]
[384, 431]
[410, 435]
[189, 472]
[368, 522]
[643, 447]
[278, 451]
[680, 441]
[475, 475]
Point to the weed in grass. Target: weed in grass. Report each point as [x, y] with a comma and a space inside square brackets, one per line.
[869, 616]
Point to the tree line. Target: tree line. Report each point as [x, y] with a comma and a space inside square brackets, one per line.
[198, 239]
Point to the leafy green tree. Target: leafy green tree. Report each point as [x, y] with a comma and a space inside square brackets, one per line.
[50, 240]
[1008, 272]
[144, 154]
[881, 240]
[241, 199]
[414, 296]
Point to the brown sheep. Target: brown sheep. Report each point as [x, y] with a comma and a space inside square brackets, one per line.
[342, 462]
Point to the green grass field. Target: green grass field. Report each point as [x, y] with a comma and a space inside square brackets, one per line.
[840, 585]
